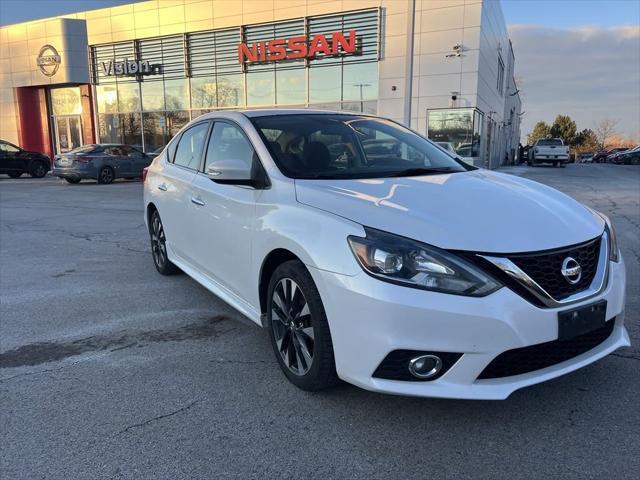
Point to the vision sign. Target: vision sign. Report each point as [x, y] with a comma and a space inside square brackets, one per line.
[321, 45]
[129, 68]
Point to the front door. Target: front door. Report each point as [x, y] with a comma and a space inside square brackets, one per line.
[68, 133]
[223, 215]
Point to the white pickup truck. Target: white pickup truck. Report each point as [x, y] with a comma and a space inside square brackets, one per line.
[549, 150]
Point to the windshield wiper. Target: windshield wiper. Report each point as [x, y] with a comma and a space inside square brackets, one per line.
[414, 172]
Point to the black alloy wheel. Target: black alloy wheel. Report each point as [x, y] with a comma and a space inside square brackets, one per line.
[299, 329]
[159, 247]
[106, 175]
[292, 328]
[38, 170]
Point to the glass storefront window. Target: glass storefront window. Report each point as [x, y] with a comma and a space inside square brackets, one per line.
[176, 94]
[230, 90]
[175, 121]
[155, 131]
[203, 93]
[360, 82]
[66, 101]
[261, 88]
[458, 128]
[325, 84]
[291, 87]
[131, 129]
[109, 128]
[152, 95]
[107, 98]
[128, 97]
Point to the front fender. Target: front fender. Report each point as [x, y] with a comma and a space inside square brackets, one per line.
[318, 238]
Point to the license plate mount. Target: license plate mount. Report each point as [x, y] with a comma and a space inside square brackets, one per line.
[578, 321]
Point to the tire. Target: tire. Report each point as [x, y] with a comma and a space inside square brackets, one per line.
[73, 179]
[555, 164]
[38, 169]
[529, 163]
[106, 175]
[159, 247]
[301, 342]
[15, 174]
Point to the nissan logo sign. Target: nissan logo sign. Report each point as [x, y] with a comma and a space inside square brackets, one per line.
[48, 60]
[571, 270]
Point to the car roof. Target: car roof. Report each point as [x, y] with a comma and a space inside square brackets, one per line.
[265, 112]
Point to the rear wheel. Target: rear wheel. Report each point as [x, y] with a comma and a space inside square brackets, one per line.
[106, 175]
[159, 247]
[299, 329]
[15, 174]
[72, 179]
[38, 170]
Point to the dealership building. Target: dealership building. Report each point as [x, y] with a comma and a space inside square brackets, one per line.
[137, 73]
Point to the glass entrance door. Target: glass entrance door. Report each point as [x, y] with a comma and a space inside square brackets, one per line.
[68, 133]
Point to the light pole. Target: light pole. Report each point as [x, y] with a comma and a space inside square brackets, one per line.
[361, 98]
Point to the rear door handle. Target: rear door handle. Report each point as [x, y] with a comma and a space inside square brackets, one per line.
[162, 187]
[197, 201]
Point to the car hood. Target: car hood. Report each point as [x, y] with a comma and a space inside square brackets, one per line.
[479, 211]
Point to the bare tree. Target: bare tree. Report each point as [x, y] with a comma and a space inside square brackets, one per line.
[603, 130]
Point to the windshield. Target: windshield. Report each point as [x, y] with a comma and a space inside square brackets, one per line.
[350, 146]
[550, 142]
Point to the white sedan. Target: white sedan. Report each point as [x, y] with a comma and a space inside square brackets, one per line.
[394, 267]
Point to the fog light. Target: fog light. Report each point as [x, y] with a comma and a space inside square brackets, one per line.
[425, 366]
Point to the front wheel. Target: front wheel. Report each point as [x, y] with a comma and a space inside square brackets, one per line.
[159, 247]
[299, 329]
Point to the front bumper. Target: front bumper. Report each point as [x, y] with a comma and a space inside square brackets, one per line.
[370, 318]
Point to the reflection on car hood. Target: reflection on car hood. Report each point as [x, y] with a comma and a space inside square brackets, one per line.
[479, 211]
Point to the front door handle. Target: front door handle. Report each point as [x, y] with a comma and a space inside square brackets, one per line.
[162, 187]
[197, 201]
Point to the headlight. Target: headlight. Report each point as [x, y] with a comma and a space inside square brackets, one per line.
[406, 262]
[614, 252]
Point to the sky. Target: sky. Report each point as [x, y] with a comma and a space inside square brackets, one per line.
[574, 57]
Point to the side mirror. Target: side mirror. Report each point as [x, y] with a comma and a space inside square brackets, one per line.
[237, 172]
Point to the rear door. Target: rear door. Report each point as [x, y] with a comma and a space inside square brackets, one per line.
[138, 161]
[172, 190]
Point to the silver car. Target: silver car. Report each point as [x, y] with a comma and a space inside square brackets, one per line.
[102, 162]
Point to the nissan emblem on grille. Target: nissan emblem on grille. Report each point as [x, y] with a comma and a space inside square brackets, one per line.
[571, 270]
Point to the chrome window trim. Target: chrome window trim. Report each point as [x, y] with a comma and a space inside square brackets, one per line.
[598, 283]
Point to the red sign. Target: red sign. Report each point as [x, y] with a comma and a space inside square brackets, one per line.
[298, 47]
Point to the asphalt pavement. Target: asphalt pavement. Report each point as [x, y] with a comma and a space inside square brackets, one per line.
[111, 371]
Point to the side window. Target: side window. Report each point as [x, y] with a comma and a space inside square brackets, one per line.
[228, 142]
[5, 147]
[134, 153]
[190, 146]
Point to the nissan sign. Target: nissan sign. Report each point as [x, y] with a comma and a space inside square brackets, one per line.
[334, 44]
[48, 60]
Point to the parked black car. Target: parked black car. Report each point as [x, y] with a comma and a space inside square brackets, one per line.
[601, 157]
[102, 162]
[627, 157]
[15, 161]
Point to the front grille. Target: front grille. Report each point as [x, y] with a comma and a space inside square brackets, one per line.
[543, 355]
[545, 268]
